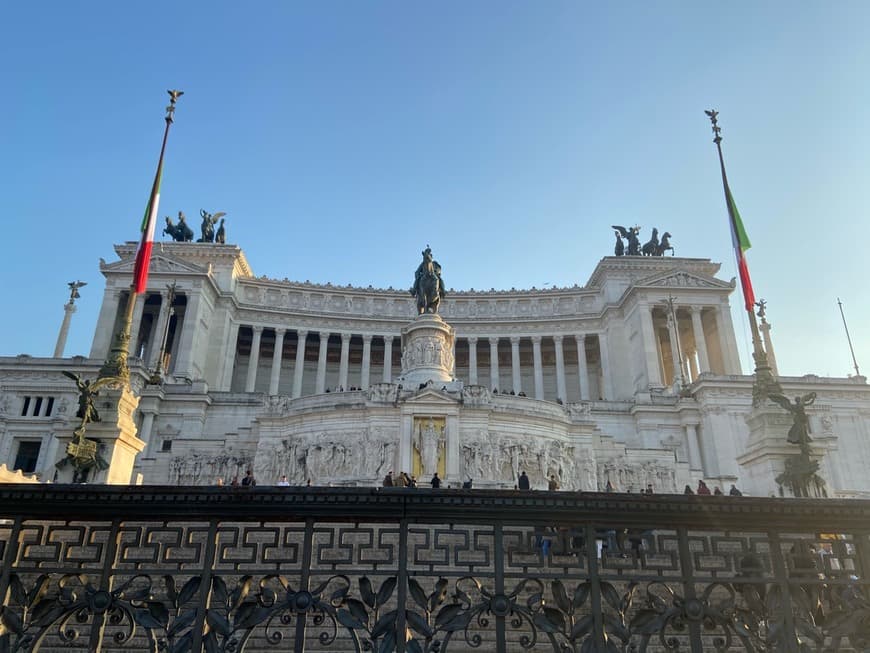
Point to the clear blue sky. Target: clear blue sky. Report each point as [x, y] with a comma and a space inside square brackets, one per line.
[340, 137]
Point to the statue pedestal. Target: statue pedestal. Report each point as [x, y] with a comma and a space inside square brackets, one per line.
[427, 351]
[767, 451]
[115, 436]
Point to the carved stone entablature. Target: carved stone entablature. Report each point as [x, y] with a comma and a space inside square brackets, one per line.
[200, 254]
[636, 268]
[682, 279]
[159, 263]
[361, 303]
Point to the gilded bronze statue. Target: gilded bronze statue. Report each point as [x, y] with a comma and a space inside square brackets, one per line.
[428, 285]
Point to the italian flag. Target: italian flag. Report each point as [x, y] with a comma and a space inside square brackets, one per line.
[741, 243]
[149, 222]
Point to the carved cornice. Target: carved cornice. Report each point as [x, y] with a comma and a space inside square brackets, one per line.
[634, 268]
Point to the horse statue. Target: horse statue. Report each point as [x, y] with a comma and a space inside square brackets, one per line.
[665, 245]
[428, 286]
[651, 247]
[221, 234]
[179, 232]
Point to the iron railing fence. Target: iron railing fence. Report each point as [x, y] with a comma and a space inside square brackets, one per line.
[111, 568]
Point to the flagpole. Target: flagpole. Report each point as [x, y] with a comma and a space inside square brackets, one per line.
[116, 362]
[765, 381]
[848, 338]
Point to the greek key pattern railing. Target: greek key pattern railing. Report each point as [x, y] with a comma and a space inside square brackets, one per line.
[328, 569]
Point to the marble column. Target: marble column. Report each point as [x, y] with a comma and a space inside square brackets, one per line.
[700, 341]
[764, 328]
[135, 327]
[493, 364]
[607, 389]
[300, 363]
[320, 383]
[472, 361]
[276, 361]
[515, 364]
[105, 330]
[365, 372]
[692, 364]
[650, 348]
[254, 360]
[730, 357]
[673, 336]
[388, 359]
[232, 346]
[582, 367]
[539, 367]
[694, 447]
[158, 330]
[560, 370]
[342, 366]
[187, 344]
[68, 309]
[146, 428]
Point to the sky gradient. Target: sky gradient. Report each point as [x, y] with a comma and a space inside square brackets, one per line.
[341, 137]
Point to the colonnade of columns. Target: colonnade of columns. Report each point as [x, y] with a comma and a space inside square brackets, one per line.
[700, 340]
[345, 360]
[150, 321]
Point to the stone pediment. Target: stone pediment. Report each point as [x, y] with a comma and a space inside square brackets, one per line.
[160, 262]
[431, 395]
[683, 279]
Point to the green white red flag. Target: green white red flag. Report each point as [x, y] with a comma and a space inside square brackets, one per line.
[741, 243]
[149, 223]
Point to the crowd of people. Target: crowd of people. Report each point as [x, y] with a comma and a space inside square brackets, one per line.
[406, 480]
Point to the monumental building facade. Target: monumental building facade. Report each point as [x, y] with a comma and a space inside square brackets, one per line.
[632, 379]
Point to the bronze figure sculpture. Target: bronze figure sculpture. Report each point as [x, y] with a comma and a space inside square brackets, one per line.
[428, 286]
[207, 228]
[799, 433]
[180, 232]
[630, 235]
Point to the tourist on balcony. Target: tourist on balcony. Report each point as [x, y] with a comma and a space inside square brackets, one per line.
[283, 482]
[249, 480]
[702, 488]
[734, 492]
[688, 490]
[523, 482]
[718, 491]
[388, 479]
[553, 485]
[435, 482]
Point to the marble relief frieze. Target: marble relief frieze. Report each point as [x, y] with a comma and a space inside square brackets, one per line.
[353, 304]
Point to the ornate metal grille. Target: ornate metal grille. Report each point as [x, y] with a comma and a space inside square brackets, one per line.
[317, 569]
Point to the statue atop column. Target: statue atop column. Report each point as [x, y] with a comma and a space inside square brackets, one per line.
[428, 286]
